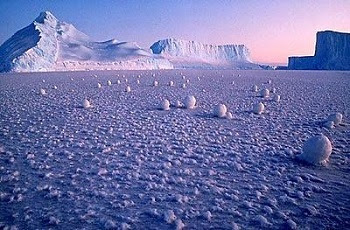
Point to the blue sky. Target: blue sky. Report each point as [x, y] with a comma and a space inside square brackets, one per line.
[272, 29]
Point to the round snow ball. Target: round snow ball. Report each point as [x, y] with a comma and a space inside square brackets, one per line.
[171, 83]
[255, 88]
[138, 81]
[316, 149]
[229, 115]
[259, 108]
[86, 104]
[99, 85]
[155, 83]
[55, 87]
[184, 86]
[109, 82]
[118, 82]
[336, 118]
[277, 98]
[127, 89]
[264, 92]
[188, 81]
[165, 105]
[190, 102]
[220, 110]
[273, 90]
[42, 92]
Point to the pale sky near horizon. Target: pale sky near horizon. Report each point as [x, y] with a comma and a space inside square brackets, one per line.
[272, 29]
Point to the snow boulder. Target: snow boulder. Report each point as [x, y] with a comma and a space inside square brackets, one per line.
[190, 102]
[128, 89]
[258, 108]
[164, 105]
[277, 98]
[336, 118]
[255, 88]
[220, 110]
[316, 150]
[264, 93]
[43, 92]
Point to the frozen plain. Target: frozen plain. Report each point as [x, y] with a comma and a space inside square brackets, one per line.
[126, 164]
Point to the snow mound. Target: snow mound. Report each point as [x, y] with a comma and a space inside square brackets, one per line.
[259, 108]
[165, 105]
[316, 150]
[86, 104]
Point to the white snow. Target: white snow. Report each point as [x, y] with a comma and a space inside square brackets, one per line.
[277, 98]
[190, 102]
[316, 150]
[43, 92]
[128, 89]
[220, 110]
[258, 108]
[165, 104]
[86, 104]
[265, 93]
[336, 118]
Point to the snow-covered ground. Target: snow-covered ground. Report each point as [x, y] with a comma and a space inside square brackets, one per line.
[124, 163]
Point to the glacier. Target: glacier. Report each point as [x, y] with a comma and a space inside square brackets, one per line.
[48, 44]
[332, 52]
[193, 54]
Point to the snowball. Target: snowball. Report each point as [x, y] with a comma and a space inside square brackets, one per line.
[127, 89]
[188, 81]
[316, 149]
[99, 85]
[165, 105]
[277, 98]
[255, 88]
[229, 115]
[220, 110]
[109, 82]
[178, 104]
[336, 118]
[138, 81]
[259, 108]
[126, 80]
[184, 86]
[155, 83]
[190, 102]
[273, 90]
[264, 92]
[169, 216]
[171, 83]
[118, 82]
[55, 87]
[269, 81]
[43, 81]
[86, 104]
[43, 92]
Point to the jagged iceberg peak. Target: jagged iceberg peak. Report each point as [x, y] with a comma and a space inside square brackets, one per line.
[46, 16]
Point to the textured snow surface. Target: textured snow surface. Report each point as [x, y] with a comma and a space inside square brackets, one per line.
[123, 163]
[48, 44]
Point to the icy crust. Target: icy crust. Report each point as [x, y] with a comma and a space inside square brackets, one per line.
[51, 45]
[123, 163]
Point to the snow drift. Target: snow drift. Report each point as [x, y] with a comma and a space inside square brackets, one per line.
[332, 53]
[192, 54]
[48, 44]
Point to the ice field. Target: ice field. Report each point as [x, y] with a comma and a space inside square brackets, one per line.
[124, 163]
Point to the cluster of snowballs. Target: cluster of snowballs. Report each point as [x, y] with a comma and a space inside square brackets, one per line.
[189, 103]
[259, 108]
[221, 111]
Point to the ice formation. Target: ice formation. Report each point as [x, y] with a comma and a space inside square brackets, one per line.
[316, 150]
